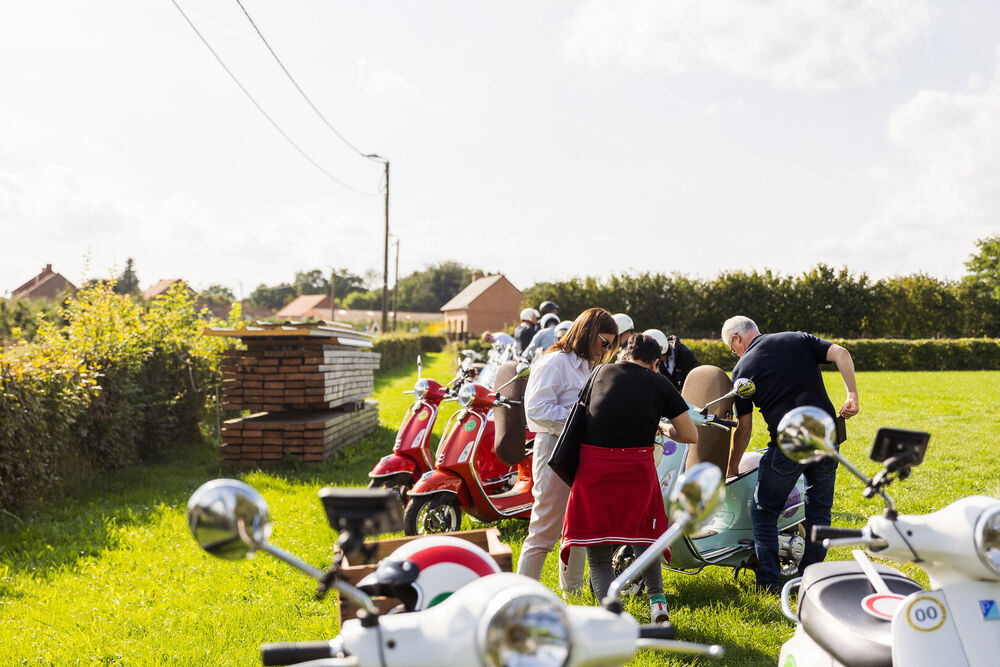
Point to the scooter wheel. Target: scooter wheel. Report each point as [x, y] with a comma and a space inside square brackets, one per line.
[623, 557]
[426, 515]
[399, 484]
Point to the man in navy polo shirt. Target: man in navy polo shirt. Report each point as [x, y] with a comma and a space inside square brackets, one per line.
[785, 369]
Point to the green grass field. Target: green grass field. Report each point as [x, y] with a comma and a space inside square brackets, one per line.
[109, 575]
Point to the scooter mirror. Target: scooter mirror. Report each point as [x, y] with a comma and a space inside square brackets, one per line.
[229, 519]
[744, 388]
[523, 369]
[420, 367]
[697, 493]
[807, 434]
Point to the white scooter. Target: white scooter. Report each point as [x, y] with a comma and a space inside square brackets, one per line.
[500, 619]
[859, 613]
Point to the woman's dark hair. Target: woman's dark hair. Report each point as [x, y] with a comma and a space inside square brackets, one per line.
[586, 329]
[642, 348]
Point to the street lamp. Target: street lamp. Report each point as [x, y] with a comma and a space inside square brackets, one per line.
[385, 263]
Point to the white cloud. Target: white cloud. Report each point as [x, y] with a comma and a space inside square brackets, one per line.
[790, 43]
[377, 80]
[931, 223]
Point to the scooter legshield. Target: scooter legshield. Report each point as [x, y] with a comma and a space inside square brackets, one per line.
[437, 481]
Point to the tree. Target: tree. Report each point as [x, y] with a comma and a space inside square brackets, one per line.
[128, 281]
[275, 298]
[984, 265]
[428, 290]
[218, 295]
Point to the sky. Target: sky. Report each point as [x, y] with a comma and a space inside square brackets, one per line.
[544, 140]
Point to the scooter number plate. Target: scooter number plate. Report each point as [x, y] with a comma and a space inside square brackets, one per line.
[926, 614]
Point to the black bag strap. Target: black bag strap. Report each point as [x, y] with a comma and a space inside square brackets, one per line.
[588, 389]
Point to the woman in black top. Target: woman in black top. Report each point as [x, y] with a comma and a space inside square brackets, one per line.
[616, 496]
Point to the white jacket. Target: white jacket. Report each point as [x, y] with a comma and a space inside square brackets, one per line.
[553, 387]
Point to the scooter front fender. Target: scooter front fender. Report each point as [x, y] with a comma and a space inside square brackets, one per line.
[438, 481]
[943, 626]
[394, 464]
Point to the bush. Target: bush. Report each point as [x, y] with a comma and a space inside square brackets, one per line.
[402, 348]
[117, 385]
[958, 354]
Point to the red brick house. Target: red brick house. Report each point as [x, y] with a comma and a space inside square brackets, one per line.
[316, 306]
[486, 304]
[46, 285]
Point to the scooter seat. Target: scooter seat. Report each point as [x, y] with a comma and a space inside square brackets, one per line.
[750, 462]
[830, 612]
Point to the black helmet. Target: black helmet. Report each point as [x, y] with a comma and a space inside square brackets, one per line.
[548, 307]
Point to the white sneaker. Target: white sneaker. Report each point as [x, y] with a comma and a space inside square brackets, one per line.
[658, 612]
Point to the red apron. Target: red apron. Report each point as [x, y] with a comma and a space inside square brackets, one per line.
[615, 499]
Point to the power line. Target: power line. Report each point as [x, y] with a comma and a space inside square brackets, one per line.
[296, 84]
[265, 114]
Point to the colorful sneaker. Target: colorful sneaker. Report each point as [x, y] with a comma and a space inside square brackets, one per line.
[658, 610]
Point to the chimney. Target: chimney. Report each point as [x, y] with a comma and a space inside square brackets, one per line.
[476, 276]
[48, 268]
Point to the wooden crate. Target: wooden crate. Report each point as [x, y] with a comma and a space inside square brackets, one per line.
[487, 538]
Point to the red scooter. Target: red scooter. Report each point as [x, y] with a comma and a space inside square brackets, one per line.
[468, 476]
[411, 453]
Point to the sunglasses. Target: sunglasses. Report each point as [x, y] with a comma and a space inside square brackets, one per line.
[605, 343]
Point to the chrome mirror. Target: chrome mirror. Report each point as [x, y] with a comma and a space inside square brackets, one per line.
[229, 519]
[807, 434]
[744, 388]
[523, 369]
[698, 492]
[420, 367]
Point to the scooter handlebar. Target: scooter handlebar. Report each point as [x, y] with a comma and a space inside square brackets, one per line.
[658, 631]
[728, 423]
[820, 533]
[289, 653]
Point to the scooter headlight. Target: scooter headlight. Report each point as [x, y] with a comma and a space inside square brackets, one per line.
[525, 630]
[466, 394]
[987, 539]
[420, 388]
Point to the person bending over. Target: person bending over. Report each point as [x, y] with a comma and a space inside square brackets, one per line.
[784, 367]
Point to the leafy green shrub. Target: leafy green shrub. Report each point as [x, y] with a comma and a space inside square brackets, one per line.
[118, 384]
[955, 354]
[402, 348]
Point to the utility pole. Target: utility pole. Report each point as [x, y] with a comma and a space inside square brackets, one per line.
[385, 262]
[395, 286]
[333, 292]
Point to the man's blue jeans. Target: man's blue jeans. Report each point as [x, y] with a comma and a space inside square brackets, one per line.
[776, 478]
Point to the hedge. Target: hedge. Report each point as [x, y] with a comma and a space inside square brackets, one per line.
[117, 385]
[955, 354]
[402, 348]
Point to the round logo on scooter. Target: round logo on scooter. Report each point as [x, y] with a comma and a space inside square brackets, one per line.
[423, 415]
[471, 425]
[925, 614]
[669, 447]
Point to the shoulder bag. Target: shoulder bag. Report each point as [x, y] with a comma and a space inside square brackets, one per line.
[566, 454]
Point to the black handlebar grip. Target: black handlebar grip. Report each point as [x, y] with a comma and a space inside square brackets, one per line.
[512, 402]
[290, 653]
[729, 423]
[659, 631]
[820, 533]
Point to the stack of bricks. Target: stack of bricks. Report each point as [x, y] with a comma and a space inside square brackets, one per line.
[308, 394]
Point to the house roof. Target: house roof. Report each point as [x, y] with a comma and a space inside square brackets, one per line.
[159, 288]
[473, 291]
[35, 284]
[301, 305]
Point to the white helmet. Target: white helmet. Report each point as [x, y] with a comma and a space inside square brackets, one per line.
[526, 314]
[562, 328]
[425, 571]
[660, 338]
[548, 318]
[624, 323]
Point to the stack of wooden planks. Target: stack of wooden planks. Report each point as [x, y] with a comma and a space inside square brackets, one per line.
[306, 383]
[279, 375]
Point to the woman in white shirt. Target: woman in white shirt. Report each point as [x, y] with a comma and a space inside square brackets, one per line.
[553, 387]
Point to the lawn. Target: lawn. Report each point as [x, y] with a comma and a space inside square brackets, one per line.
[109, 575]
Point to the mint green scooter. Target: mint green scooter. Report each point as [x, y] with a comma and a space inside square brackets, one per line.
[727, 539]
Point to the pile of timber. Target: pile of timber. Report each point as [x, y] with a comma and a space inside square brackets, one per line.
[279, 375]
[308, 385]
